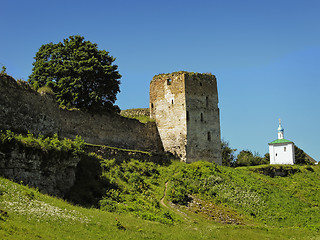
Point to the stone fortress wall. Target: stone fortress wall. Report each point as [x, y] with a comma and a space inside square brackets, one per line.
[185, 108]
[23, 109]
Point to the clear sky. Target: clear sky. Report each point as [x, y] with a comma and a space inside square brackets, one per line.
[265, 55]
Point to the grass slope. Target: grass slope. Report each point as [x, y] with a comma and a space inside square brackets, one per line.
[28, 214]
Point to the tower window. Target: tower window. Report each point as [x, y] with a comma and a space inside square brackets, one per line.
[209, 136]
[151, 105]
[207, 101]
[201, 117]
[169, 81]
[187, 115]
[172, 101]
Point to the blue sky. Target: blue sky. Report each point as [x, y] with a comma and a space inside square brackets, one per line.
[265, 55]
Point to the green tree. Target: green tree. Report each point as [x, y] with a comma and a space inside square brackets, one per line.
[228, 158]
[266, 158]
[301, 157]
[80, 75]
[246, 158]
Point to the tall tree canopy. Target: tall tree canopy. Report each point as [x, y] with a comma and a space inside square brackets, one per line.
[79, 74]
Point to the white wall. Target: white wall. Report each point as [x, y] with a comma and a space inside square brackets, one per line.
[282, 153]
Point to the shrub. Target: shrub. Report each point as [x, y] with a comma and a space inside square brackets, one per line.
[179, 195]
[45, 90]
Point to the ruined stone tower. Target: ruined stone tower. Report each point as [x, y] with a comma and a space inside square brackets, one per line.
[185, 108]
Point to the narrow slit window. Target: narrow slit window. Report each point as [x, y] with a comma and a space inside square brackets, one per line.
[201, 117]
[172, 101]
[209, 136]
[169, 81]
[187, 115]
[151, 105]
[285, 149]
[207, 101]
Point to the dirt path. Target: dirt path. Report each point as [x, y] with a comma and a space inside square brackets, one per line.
[164, 195]
[172, 206]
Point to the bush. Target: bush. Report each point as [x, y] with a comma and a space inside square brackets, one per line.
[179, 195]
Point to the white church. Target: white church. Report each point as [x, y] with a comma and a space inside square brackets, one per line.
[281, 150]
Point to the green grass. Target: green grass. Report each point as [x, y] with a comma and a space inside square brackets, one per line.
[32, 215]
[142, 119]
[137, 113]
[279, 201]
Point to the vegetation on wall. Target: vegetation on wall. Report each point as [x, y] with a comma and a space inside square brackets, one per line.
[40, 142]
[79, 74]
[141, 114]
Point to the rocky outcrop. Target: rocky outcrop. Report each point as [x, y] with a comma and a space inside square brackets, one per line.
[66, 174]
[52, 172]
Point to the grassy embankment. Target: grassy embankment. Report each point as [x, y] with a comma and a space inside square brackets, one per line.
[137, 203]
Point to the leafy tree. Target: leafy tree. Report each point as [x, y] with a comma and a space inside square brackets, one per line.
[80, 75]
[266, 158]
[228, 158]
[301, 156]
[246, 158]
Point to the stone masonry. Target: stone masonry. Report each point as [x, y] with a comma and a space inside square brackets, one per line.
[185, 108]
[23, 109]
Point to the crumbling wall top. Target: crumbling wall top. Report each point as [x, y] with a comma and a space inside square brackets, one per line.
[190, 74]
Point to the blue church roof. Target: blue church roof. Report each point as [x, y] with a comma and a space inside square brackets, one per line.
[280, 128]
